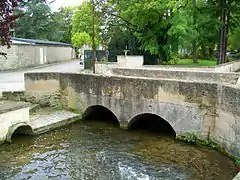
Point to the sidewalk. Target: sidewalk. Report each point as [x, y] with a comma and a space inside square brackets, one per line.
[14, 80]
[37, 67]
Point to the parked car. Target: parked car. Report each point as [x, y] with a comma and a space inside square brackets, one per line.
[229, 54]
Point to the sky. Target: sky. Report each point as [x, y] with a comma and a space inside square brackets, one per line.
[58, 3]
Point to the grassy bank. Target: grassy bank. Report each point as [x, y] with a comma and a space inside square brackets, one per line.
[201, 62]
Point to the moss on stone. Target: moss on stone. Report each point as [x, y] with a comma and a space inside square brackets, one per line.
[193, 139]
[238, 162]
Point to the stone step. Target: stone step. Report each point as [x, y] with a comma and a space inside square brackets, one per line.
[43, 121]
[8, 106]
[33, 108]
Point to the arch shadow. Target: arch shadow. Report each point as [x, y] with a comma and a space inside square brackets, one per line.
[21, 129]
[151, 123]
[101, 114]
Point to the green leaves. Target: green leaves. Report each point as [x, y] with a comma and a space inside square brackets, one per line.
[150, 20]
[234, 39]
[37, 21]
[82, 19]
[79, 39]
[163, 27]
[82, 24]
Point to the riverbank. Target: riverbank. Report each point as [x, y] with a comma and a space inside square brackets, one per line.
[95, 150]
[51, 116]
[192, 139]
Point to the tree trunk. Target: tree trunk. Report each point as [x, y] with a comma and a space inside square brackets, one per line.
[222, 51]
[211, 51]
[159, 60]
[204, 51]
[93, 38]
[194, 43]
[227, 31]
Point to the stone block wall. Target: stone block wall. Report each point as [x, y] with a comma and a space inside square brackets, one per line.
[228, 67]
[42, 88]
[10, 119]
[130, 61]
[58, 54]
[227, 122]
[23, 55]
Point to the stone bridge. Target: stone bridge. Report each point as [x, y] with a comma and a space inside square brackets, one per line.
[210, 110]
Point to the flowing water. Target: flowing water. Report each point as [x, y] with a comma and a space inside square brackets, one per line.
[92, 150]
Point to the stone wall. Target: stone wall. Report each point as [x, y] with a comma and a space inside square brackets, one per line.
[11, 119]
[237, 177]
[208, 110]
[207, 76]
[43, 88]
[105, 68]
[226, 129]
[228, 67]
[23, 55]
[130, 61]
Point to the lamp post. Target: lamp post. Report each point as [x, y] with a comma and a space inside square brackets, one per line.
[93, 37]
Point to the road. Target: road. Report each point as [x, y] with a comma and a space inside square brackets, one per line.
[14, 80]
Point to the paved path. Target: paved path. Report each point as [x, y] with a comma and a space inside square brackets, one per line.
[14, 80]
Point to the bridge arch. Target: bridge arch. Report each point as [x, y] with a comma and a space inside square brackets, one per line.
[19, 128]
[151, 122]
[100, 113]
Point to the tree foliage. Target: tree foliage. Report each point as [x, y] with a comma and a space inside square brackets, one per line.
[7, 19]
[80, 39]
[35, 21]
[164, 27]
[234, 39]
[61, 25]
[82, 20]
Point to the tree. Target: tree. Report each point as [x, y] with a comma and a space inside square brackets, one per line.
[61, 25]
[150, 20]
[120, 39]
[162, 27]
[234, 39]
[80, 39]
[6, 19]
[194, 43]
[82, 20]
[35, 21]
[197, 33]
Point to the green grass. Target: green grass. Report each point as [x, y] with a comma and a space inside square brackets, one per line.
[201, 62]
